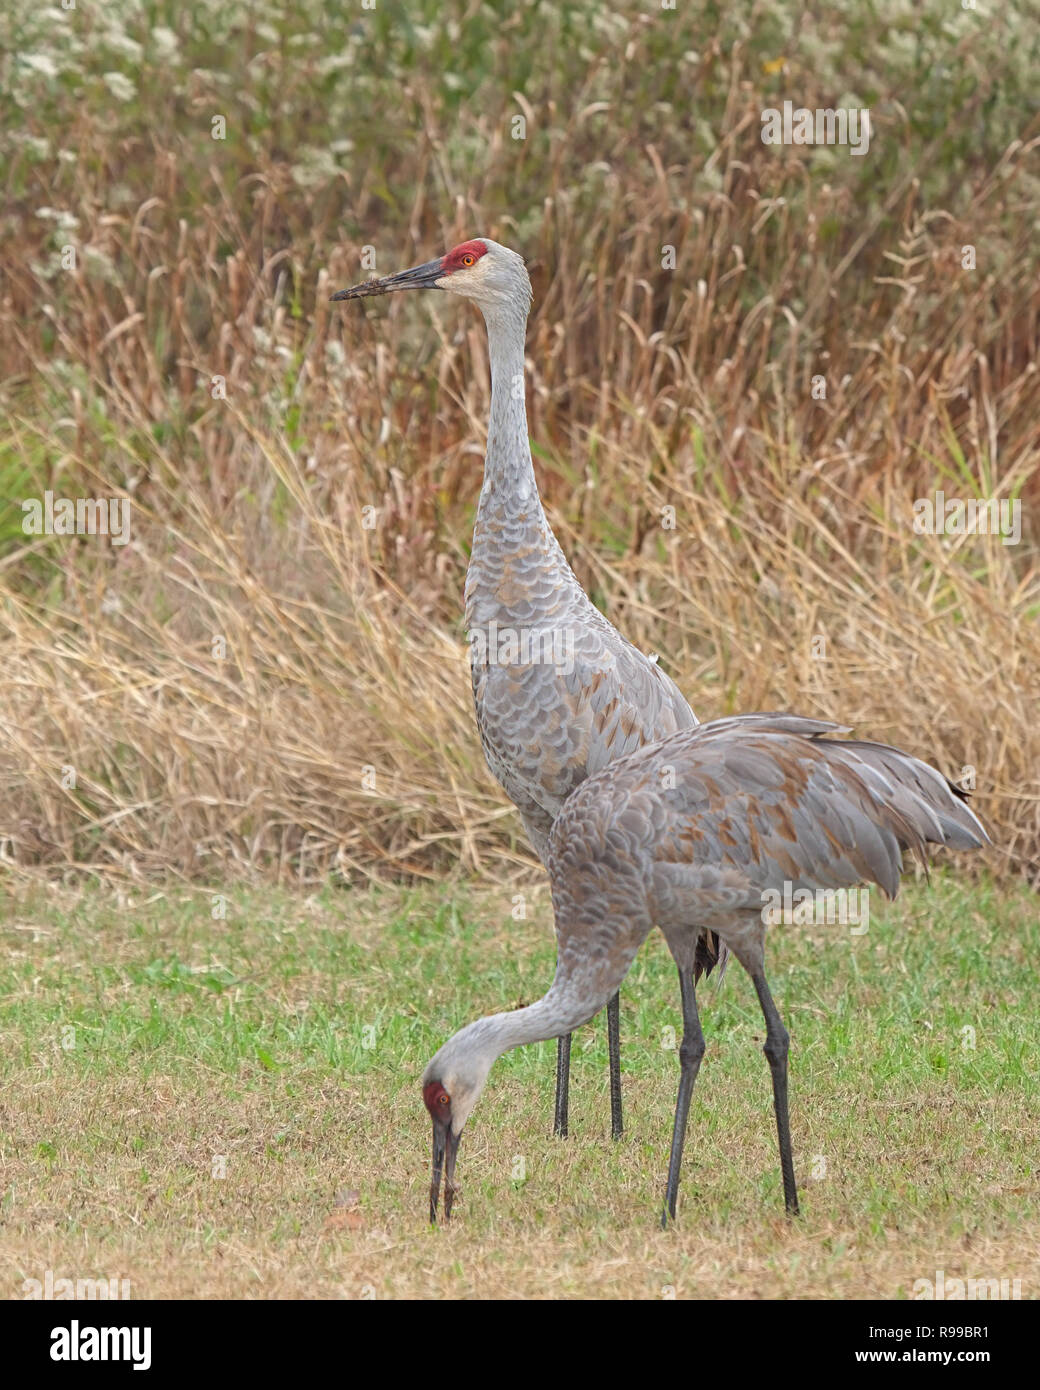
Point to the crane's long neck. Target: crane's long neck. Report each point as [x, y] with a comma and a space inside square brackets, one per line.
[594, 953]
[592, 962]
[516, 564]
[510, 492]
[560, 1011]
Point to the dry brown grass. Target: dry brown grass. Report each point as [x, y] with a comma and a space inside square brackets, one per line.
[290, 1241]
[648, 388]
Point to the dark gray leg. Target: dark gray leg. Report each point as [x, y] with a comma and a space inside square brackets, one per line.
[691, 1050]
[563, 1076]
[617, 1127]
[563, 1073]
[776, 1055]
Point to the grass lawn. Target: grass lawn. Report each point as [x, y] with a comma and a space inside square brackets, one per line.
[150, 1047]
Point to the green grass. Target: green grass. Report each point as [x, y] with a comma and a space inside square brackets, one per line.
[290, 1037]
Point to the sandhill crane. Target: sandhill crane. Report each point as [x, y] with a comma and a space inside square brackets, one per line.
[701, 830]
[559, 693]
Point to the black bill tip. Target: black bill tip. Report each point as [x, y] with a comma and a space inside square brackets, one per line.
[445, 1151]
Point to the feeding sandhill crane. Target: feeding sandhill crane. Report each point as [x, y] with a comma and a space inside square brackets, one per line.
[702, 830]
[559, 692]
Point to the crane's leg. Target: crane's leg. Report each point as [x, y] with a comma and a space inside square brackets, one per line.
[617, 1127]
[691, 1050]
[776, 1055]
[563, 1080]
[538, 823]
[563, 1074]
[613, 1043]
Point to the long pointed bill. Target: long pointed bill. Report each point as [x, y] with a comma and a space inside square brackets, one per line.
[420, 277]
[445, 1147]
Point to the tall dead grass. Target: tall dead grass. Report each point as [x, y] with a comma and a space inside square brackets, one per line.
[260, 683]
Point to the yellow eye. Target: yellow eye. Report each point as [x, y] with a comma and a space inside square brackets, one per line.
[467, 259]
[442, 1099]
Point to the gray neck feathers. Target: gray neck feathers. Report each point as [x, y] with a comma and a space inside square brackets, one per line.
[509, 482]
[560, 1011]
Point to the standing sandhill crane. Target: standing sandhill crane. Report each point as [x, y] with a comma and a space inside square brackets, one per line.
[559, 692]
[701, 830]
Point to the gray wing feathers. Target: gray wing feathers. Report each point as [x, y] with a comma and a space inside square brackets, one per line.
[635, 705]
[935, 809]
[780, 723]
[929, 800]
[763, 800]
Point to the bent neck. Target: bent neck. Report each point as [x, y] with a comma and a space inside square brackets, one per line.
[559, 1011]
